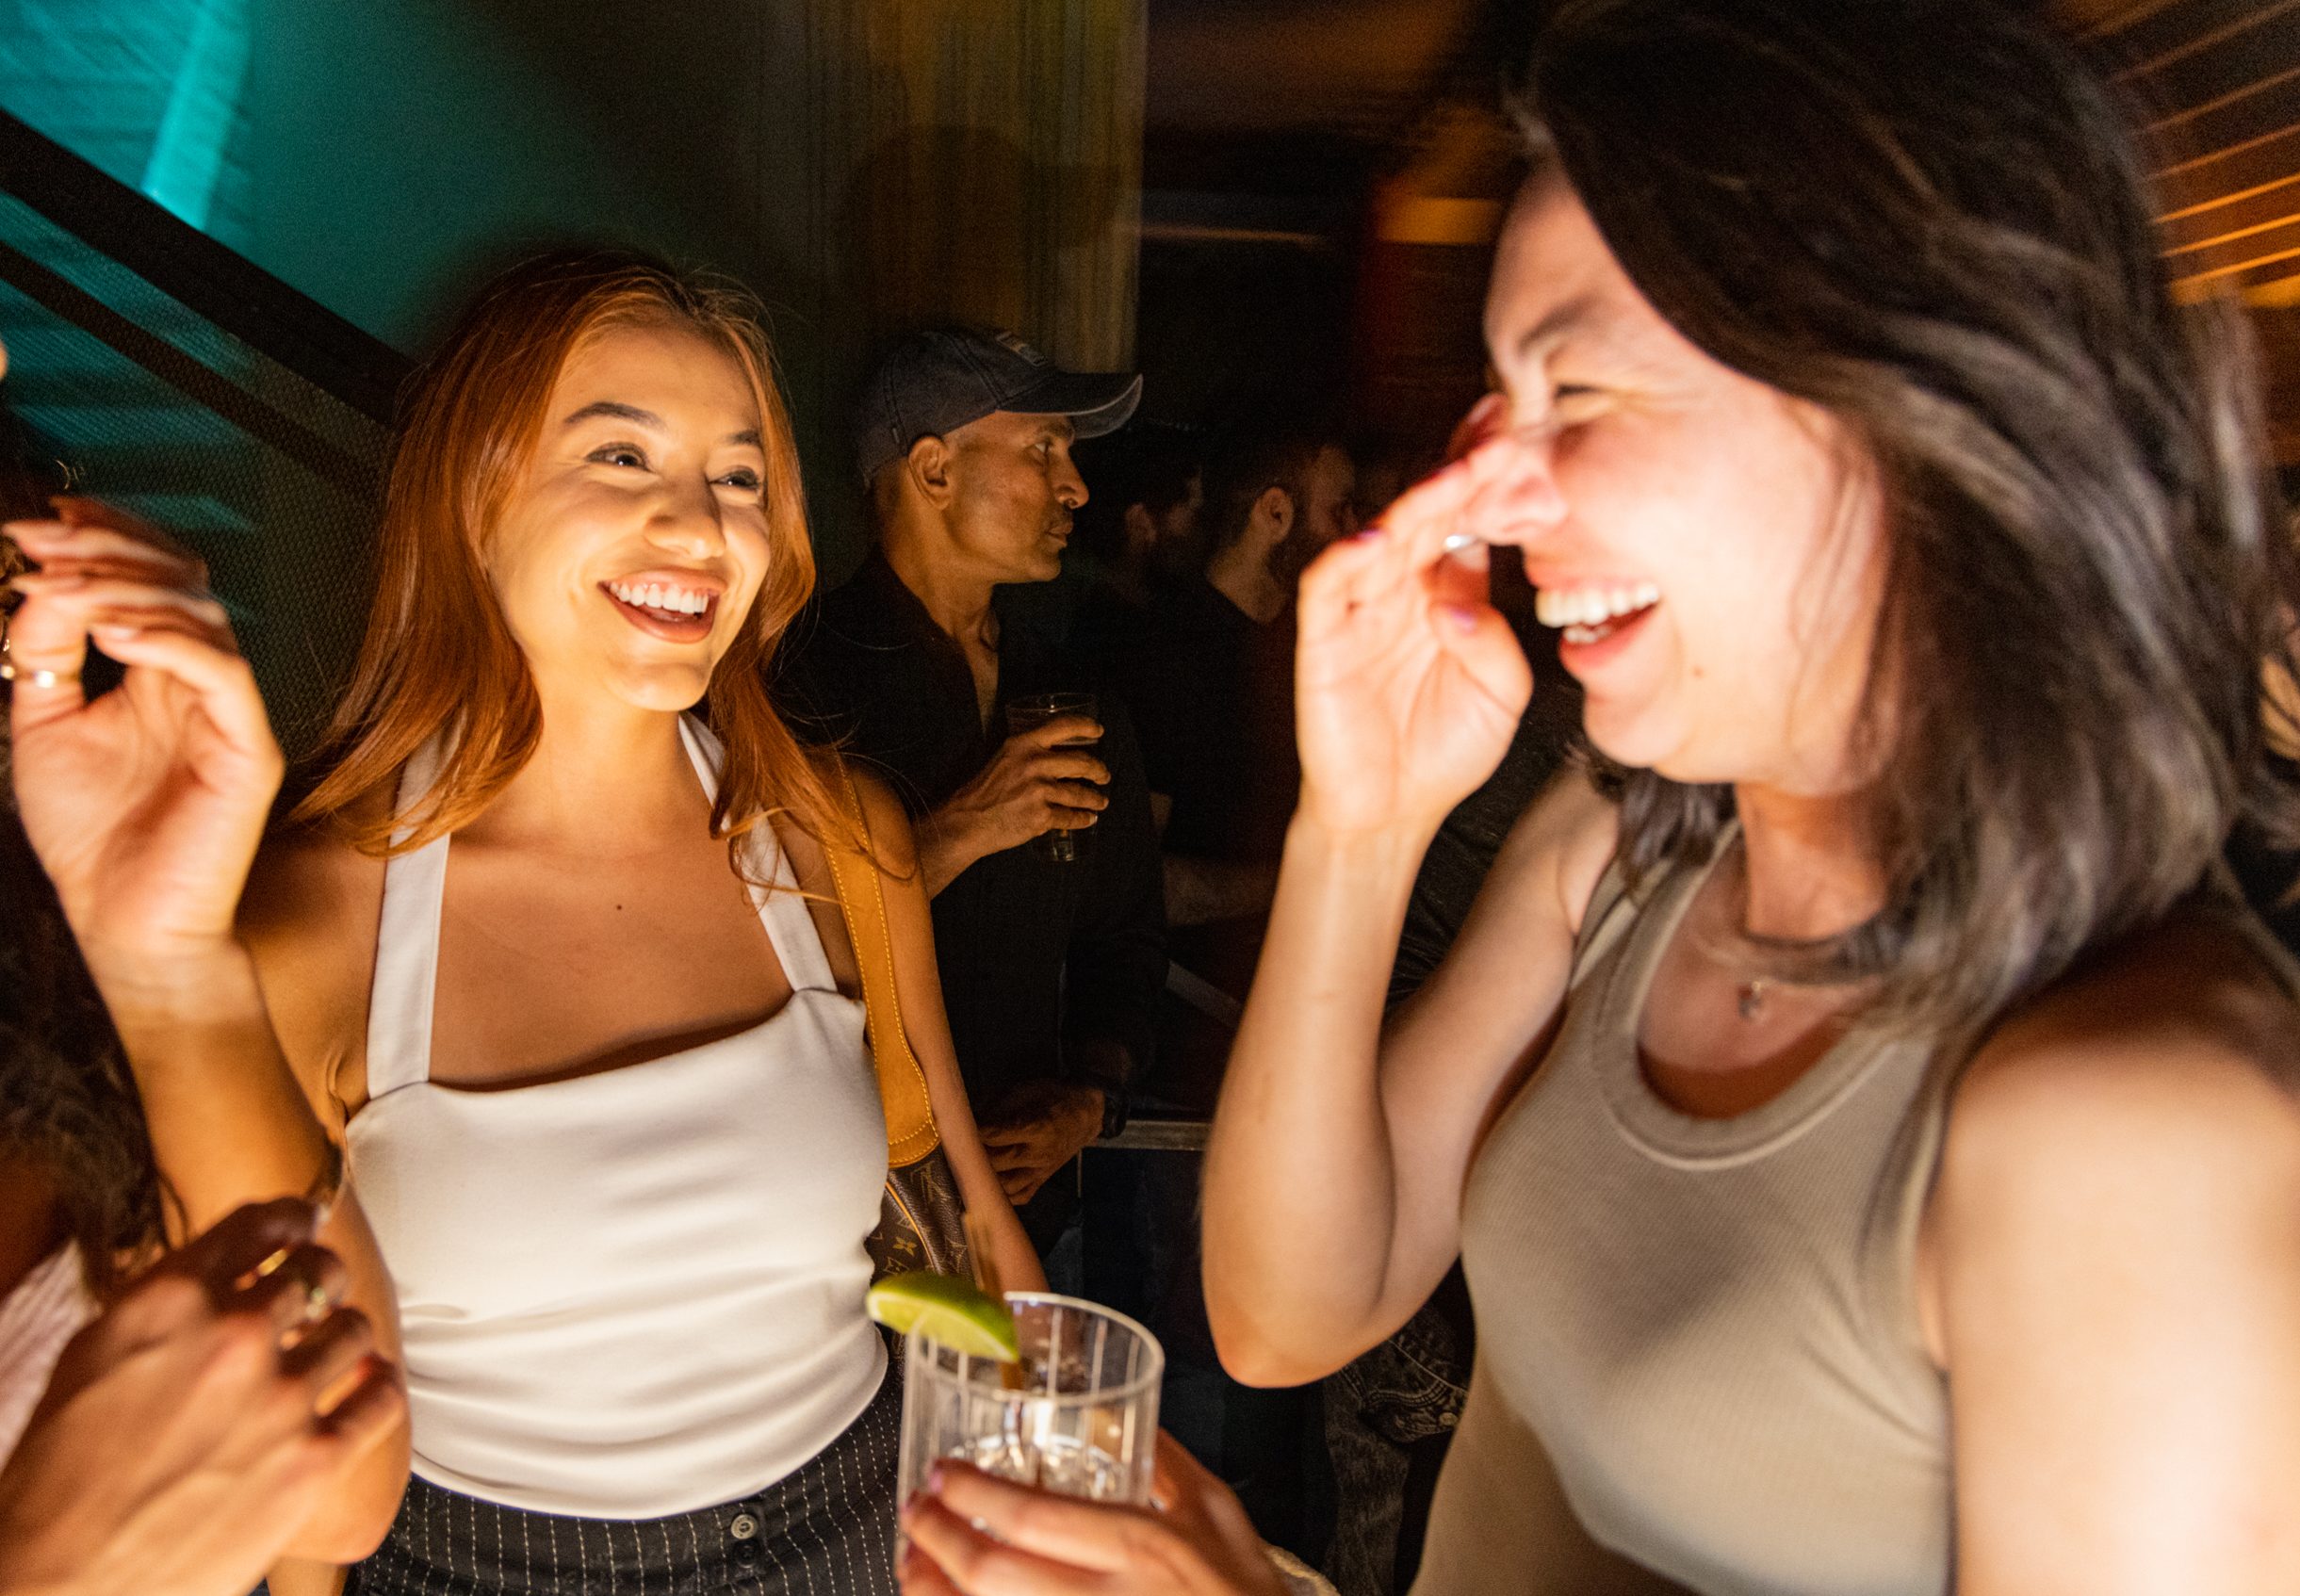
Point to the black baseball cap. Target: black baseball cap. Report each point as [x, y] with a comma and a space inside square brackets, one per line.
[933, 382]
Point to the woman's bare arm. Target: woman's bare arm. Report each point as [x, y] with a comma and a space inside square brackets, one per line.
[145, 806]
[910, 927]
[1323, 1208]
[1334, 1176]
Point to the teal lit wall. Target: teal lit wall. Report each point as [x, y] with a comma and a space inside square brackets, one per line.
[859, 164]
[375, 153]
[381, 156]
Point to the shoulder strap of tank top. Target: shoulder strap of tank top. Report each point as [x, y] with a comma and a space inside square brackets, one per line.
[911, 1133]
[1602, 922]
[1612, 910]
[406, 979]
[782, 908]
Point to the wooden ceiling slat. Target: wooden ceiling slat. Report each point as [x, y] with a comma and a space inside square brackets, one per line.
[2222, 80]
[2193, 251]
[2234, 217]
[2205, 207]
[2254, 278]
[2180, 120]
[2279, 242]
[2230, 172]
[2141, 32]
[2178, 34]
[2265, 103]
[2260, 49]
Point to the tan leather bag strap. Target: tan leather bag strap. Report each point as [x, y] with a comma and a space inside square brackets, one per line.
[901, 1084]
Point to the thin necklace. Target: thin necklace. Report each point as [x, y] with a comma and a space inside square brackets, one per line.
[1748, 997]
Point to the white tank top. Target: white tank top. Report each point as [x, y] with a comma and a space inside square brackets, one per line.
[638, 1293]
[44, 1311]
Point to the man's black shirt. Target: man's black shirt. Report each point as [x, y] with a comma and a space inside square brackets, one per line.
[1212, 692]
[1036, 956]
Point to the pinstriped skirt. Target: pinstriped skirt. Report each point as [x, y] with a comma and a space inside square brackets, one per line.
[826, 1530]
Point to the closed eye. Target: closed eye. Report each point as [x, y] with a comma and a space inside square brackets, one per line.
[1576, 401]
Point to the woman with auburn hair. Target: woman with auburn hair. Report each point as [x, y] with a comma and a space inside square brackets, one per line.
[1871, 1132]
[621, 1150]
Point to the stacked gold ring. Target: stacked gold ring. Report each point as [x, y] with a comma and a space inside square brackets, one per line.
[36, 676]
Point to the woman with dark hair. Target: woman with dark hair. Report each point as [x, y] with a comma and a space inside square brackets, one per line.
[1873, 1141]
[231, 1403]
[83, 1195]
[566, 964]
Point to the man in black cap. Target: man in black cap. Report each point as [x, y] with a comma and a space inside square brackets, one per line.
[1050, 967]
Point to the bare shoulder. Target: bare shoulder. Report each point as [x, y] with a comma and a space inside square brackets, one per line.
[1560, 846]
[309, 918]
[890, 837]
[892, 840]
[303, 885]
[2177, 1056]
[890, 845]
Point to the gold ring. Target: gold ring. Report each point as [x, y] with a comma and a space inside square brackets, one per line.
[36, 676]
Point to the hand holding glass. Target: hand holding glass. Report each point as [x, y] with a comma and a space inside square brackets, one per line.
[1029, 713]
[1082, 1419]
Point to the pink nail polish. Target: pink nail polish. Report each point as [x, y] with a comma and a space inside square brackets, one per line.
[1463, 619]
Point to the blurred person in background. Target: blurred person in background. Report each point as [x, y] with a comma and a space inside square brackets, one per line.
[1142, 526]
[1873, 1141]
[1208, 670]
[556, 943]
[1051, 969]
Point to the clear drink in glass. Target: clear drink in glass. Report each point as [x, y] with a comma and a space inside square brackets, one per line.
[1080, 1417]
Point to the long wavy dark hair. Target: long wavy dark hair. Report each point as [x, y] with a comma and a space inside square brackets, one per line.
[1930, 219]
[68, 1105]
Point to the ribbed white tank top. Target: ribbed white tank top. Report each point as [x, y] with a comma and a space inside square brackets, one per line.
[637, 1292]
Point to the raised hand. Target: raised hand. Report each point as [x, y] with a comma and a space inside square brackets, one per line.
[1407, 682]
[145, 805]
[189, 1432]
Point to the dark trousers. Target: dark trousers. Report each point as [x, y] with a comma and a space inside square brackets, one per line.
[828, 1530]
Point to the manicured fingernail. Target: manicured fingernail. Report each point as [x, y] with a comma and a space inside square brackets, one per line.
[1366, 534]
[1463, 619]
[114, 634]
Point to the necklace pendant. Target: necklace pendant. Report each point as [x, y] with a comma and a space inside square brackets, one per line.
[1750, 999]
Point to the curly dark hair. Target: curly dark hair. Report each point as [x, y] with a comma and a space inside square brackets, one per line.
[68, 1105]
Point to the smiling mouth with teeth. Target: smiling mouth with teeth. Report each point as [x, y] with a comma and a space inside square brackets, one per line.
[1592, 614]
[664, 602]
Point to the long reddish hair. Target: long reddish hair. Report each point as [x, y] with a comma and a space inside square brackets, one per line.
[438, 656]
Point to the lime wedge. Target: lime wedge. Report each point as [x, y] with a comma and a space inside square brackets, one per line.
[945, 1309]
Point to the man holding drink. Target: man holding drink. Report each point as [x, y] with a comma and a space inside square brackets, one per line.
[1034, 821]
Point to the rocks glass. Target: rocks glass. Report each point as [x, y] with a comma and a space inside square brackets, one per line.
[1080, 1416]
